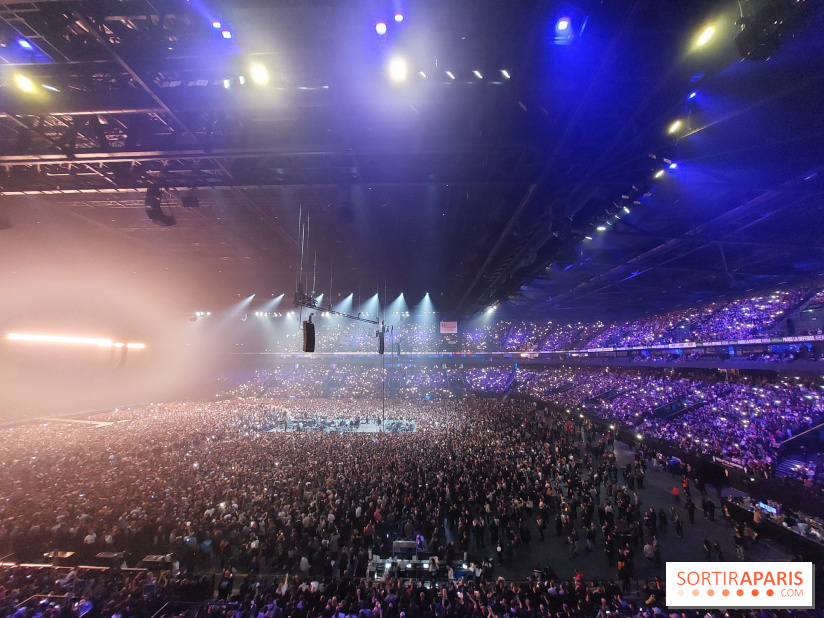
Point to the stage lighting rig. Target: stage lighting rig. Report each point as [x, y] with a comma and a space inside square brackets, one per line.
[305, 300]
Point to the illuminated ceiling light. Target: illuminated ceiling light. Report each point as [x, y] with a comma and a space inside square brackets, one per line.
[562, 25]
[241, 80]
[478, 74]
[25, 44]
[259, 74]
[398, 69]
[705, 36]
[103, 343]
[450, 75]
[95, 341]
[601, 228]
[658, 174]
[380, 28]
[216, 25]
[398, 17]
[226, 34]
[422, 74]
[24, 83]
[505, 73]
[48, 87]
[227, 83]
[674, 127]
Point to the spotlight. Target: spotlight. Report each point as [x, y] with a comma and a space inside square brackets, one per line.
[380, 28]
[564, 33]
[450, 75]
[422, 74]
[24, 83]
[25, 44]
[259, 74]
[226, 34]
[674, 127]
[478, 74]
[601, 228]
[227, 83]
[48, 87]
[692, 95]
[658, 174]
[398, 17]
[673, 166]
[398, 69]
[505, 73]
[216, 25]
[705, 36]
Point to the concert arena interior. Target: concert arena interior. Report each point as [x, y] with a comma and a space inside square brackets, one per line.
[410, 308]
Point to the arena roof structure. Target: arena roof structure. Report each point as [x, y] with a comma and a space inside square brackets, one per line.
[568, 158]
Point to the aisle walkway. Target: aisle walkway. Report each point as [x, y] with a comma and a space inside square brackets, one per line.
[656, 493]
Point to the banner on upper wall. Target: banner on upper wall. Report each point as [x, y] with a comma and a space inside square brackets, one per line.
[449, 328]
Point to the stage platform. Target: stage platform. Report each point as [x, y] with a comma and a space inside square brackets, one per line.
[339, 425]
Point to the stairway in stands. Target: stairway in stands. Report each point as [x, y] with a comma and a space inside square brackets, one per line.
[785, 466]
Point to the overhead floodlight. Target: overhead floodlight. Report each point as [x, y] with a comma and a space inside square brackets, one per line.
[626, 210]
[67, 339]
[49, 87]
[562, 25]
[658, 174]
[259, 74]
[478, 74]
[692, 95]
[674, 127]
[227, 83]
[216, 25]
[398, 17]
[450, 75]
[24, 83]
[587, 237]
[398, 69]
[25, 44]
[491, 308]
[380, 28]
[226, 34]
[241, 80]
[705, 36]
[601, 228]
[422, 74]
[673, 166]
[505, 73]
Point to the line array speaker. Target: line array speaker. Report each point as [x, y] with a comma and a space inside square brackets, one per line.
[308, 337]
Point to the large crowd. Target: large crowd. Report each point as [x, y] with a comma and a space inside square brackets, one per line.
[218, 489]
[733, 320]
[742, 421]
[212, 486]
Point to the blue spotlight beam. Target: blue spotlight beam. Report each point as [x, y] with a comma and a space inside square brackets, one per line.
[305, 300]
